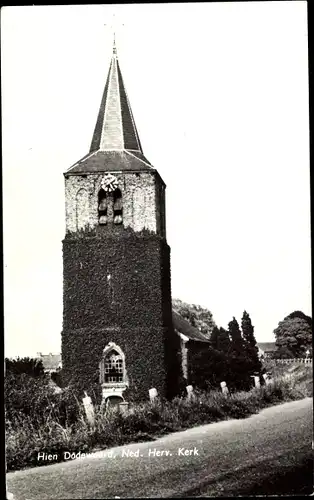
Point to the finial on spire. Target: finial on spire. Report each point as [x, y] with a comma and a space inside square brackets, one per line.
[113, 27]
[114, 44]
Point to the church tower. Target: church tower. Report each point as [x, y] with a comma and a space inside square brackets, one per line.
[117, 315]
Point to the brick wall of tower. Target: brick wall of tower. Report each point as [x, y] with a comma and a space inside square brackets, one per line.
[141, 207]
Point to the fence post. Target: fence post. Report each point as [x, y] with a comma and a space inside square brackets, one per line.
[257, 382]
[89, 409]
[153, 394]
[224, 388]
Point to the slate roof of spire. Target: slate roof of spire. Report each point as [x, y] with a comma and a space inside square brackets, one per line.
[115, 144]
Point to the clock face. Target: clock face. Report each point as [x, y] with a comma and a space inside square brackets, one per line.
[109, 183]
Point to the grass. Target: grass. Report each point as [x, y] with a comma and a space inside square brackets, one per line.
[26, 437]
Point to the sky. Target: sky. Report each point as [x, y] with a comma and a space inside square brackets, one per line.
[219, 93]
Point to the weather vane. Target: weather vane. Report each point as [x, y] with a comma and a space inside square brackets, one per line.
[113, 28]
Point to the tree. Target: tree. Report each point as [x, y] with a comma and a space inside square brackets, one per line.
[197, 316]
[208, 368]
[214, 338]
[301, 315]
[282, 352]
[250, 344]
[235, 335]
[224, 342]
[293, 335]
[30, 366]
[220, 340]
[240, 363]
[248, 329]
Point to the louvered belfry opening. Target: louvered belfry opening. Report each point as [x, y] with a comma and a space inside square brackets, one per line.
[102, 207]
[110, 207]
[117, 207]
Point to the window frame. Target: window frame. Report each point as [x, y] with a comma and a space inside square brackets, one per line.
[107, 352]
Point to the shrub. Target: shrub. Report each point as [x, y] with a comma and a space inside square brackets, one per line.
[25, 396]
[61, 425]
[30, 366]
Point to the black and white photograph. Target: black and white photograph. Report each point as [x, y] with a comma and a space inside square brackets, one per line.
[157, 250]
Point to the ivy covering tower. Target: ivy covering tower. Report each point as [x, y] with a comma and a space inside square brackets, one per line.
[117, 321]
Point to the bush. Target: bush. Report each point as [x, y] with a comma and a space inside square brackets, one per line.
[26, 396]
[24, 442]
[30, 366]
[60, 426]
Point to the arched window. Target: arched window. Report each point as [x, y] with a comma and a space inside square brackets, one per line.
[117, 207]
[112, 366]
[102, 207]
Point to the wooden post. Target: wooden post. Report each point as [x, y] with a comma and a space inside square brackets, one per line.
[89, 409]
[257, 382]
[189, 390]
[153, 394]
[224, 388]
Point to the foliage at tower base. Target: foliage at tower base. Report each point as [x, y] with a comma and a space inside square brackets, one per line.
[294, 336]
[30, 393]
[208, 367]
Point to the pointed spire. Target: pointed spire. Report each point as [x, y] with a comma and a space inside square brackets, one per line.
[115, 128]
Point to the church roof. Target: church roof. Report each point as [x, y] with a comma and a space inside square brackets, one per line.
[102, 161]
[183, 326]
[115, 144]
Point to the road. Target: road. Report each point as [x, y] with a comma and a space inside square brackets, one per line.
[221, 459]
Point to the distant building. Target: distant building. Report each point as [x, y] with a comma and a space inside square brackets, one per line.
[266, 349]
[51, 362]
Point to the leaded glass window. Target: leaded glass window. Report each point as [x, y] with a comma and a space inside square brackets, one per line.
[113, 368]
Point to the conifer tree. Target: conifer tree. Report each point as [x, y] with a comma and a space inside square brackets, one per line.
[254, 364]
[220, 340]
[214, 338]
[224, 342]
[235, 334]
[220, 345]
[238, 362]
[248, 329]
